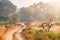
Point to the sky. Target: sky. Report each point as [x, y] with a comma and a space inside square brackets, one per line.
[24, 3]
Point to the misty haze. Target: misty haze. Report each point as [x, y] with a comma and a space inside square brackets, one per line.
[29, 19]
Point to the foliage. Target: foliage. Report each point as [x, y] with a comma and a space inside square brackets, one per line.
[6, 7]
[37, 12]
[42, 35]
[8, 14]
[52, 36]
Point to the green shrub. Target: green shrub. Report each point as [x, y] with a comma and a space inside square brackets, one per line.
[42, 35]
[1, 23]
[52, 35]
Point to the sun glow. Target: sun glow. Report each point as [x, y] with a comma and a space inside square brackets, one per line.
[22, 3]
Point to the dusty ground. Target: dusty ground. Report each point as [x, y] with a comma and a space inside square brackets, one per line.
[55, 29]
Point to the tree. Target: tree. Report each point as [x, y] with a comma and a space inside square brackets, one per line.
[48, 21]
[26, 13]
[6, 8]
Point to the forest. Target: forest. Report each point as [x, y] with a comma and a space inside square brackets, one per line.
[39, 21]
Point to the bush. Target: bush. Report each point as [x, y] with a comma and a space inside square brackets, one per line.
[1, 23]
[53, 36]
[38, 35]
[41, 35]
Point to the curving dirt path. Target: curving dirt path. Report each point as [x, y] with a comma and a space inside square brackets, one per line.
[13, 33]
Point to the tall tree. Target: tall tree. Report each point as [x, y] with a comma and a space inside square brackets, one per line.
[6, 8]
[26, 13]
